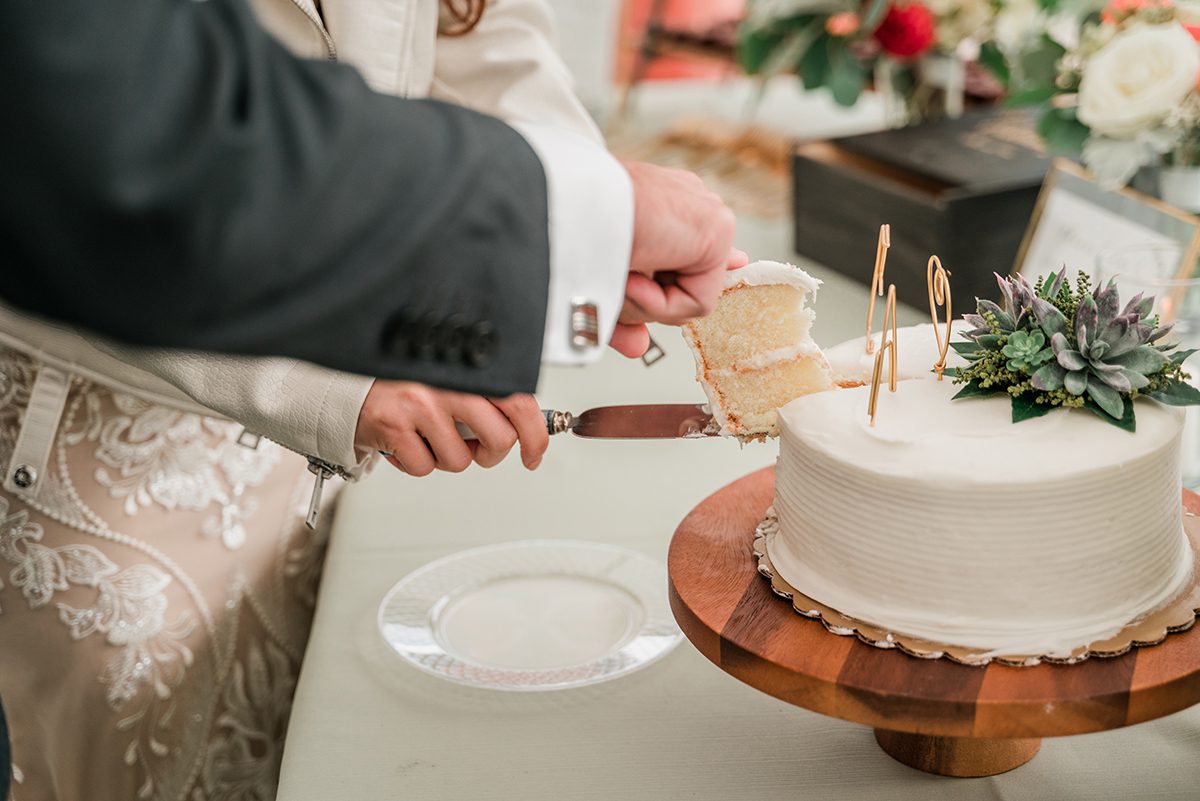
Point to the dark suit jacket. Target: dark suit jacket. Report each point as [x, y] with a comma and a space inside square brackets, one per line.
[171, 176]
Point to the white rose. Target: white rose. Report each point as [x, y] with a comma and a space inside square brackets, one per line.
[958, 20]
[1132, 83]
[1018, 22]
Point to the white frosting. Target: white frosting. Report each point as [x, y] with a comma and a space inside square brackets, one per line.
[760, 273]
[916, 353]
[769, 357]
[949, 522]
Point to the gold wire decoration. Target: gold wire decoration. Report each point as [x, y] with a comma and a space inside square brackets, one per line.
[881, 249]
[888, 346]
[938, 281]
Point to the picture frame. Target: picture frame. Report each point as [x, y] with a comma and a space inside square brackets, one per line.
[1075, 219]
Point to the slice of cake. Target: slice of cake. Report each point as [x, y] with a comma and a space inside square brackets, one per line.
[754, 353]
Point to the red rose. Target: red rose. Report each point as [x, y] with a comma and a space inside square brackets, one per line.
[907, 30]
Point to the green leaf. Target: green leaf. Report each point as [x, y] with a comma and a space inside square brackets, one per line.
[847, 77]
[1049, 377]
[755, 48]
[873, 15]
[1023, 409]
[904, 79]
[991, 58]
[1076, 382]
[1033, 96]
[1038, 65]
[973, 390]
[1143, 359]
[1126, 421]
[965, 348]
[1109, 399]
[1061, 132]
[792, 49]
[1178, 393]
[814, 65]
[1180, 356]
[952, 372]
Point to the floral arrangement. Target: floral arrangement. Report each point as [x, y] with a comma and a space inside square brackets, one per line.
[1125, 94]
[841, 44]
[1049, 345]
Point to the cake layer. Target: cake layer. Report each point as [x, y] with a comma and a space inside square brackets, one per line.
[750, 323]
[750, 398]
[949, 522]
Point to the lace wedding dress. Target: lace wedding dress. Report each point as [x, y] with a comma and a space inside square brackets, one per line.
[154, 602]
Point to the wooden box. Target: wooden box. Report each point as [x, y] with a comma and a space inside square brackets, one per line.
[962, 189]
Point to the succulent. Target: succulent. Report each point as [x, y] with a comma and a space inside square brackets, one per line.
[1011, 314]
[1026, 350]
[1112, 354]
[1051, 344]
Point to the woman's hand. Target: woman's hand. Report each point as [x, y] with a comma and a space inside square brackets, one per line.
[415, 424]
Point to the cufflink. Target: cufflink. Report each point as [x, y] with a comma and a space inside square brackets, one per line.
[585, 324]
[654, 354]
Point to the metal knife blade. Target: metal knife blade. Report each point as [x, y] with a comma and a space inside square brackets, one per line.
[646, 421]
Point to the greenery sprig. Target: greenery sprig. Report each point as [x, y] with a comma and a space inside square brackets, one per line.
[1051, 345]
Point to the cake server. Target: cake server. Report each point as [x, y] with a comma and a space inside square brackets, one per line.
[645, 421]
[639, 421]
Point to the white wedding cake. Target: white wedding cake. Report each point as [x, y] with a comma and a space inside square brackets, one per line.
[948, 522]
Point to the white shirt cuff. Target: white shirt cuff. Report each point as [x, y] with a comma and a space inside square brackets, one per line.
[590, 200]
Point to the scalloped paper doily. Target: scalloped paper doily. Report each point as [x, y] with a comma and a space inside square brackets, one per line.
[1177, 615]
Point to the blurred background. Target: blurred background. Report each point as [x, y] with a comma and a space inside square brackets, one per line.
[1004, 136]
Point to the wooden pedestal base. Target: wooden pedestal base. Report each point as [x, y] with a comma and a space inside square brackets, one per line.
[974, 721]
[963, 757]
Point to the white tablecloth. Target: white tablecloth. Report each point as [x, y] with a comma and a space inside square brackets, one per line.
[366, 726]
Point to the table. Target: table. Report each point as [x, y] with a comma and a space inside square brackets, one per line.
[367, 727]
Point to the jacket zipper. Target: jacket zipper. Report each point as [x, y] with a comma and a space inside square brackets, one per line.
[315, 19]
[320, 468]
[323, 471]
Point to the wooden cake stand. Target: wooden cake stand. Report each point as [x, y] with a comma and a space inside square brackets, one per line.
[932, 714]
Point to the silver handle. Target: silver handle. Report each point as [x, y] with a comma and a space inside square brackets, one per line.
[556, 423]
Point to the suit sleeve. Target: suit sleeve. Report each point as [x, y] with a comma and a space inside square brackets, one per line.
[175, 178]
[508, 67]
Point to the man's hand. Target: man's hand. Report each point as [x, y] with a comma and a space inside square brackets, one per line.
[682, 246]
[415, 424]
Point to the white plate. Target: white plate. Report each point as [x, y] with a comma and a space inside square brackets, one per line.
[532, 615]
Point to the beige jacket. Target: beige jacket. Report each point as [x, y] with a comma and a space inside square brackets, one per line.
[506, 67]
